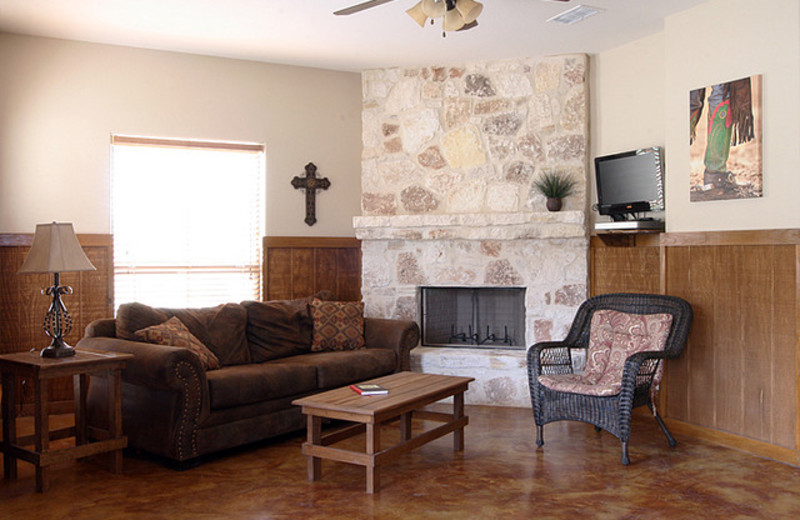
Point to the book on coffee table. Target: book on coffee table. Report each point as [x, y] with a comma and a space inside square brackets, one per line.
[369, 389]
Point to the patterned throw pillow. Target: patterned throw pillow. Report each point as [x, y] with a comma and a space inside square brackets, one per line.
[613, 337]
[337, 325]
[174, 333]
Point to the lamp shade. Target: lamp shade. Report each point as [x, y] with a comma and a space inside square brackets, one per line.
[453, 20]
[434, 8]
[418, 14]
[55, 249]
[469, 9]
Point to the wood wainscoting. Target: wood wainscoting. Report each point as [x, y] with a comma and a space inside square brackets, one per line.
[22, 305]
[738, 381]
[296, 267]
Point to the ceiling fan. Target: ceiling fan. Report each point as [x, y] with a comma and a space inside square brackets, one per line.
[457, 15]
[361, 7]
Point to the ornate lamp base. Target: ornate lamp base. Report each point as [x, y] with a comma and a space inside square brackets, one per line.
[57, 322]
[57, 352]
[57, 349]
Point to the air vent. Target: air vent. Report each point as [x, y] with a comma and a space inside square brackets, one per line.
[575, 15]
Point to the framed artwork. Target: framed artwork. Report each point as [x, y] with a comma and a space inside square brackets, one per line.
[725, 141]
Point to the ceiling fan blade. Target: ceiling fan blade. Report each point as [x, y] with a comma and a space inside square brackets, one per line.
[361, 7]
[469, 26]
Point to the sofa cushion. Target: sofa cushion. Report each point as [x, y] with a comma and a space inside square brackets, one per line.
[337, 325]
[221, 328]
[277, 329]
[174, 333]
[344, 367]
[246, 384]
[137, 316]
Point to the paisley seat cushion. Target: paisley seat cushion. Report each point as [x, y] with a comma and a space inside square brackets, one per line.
[613, 337]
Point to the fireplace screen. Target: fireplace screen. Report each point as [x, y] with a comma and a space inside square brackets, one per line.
[476, 317]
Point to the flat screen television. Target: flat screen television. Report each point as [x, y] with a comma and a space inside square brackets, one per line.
[630, 183]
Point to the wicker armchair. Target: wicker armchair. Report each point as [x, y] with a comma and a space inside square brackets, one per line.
[610, 408]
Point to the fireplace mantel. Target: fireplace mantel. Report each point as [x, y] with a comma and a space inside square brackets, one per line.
[472, 226]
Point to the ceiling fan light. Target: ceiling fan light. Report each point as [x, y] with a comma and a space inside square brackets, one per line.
[418, 14]
[469, 9]
[453, 20]
[433, 8]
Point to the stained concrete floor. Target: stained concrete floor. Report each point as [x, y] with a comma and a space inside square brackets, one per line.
[500, 475]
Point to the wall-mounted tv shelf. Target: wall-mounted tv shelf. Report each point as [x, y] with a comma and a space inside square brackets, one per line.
[630, 225]
[616, 237]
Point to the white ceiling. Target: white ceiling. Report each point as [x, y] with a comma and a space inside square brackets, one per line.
[305, 32]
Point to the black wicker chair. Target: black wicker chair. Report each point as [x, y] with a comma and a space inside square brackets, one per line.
[610, 413]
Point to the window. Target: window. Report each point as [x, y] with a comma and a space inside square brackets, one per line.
[187, 221]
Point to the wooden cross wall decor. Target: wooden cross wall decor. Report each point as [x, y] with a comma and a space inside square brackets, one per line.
[311, 184]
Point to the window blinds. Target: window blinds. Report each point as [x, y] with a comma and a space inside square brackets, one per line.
[187, 221]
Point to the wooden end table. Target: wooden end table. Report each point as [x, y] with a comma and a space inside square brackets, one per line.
[408, 393]
[39, 371]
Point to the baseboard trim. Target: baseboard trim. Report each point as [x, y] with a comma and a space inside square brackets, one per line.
[737, 442]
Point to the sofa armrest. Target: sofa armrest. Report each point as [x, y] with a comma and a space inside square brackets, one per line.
[106, 327]
[165, 395]
[398, 335]
[154, 366]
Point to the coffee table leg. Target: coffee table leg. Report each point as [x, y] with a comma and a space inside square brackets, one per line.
[373, 447]
[458, 413]
[315, 439]
[405, 426]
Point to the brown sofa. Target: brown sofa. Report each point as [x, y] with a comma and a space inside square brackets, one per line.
[174, 408]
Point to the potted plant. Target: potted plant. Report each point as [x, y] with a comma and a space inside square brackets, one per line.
[555, 186]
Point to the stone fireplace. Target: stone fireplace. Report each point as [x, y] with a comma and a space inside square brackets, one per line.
[449, 157]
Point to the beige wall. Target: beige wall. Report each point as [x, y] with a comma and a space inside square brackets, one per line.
[627, 99]
[640, 97]
[720, 41]
[60, 101]
[628, 93]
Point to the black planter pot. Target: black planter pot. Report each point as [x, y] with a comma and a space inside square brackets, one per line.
[553, 204]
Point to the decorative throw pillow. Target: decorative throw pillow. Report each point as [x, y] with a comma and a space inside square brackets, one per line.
[337, 325]
[614, 336]
[174, 333]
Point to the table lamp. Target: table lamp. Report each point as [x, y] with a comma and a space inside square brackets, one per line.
[56, 250]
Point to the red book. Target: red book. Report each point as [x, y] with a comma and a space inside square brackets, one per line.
[369, 389]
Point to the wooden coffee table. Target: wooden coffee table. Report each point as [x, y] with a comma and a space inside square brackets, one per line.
[408, 393]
